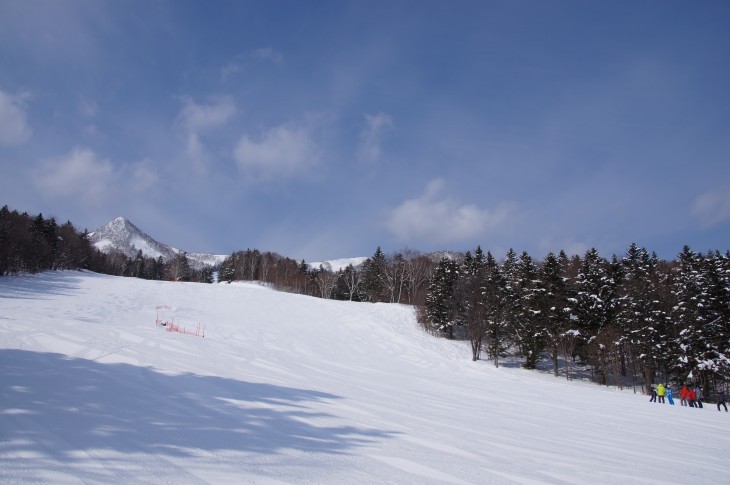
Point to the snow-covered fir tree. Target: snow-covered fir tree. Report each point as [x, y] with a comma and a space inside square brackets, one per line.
[701, 316]
[470, 310]
[526, 327]
[439, 301]
[372, 286]
[640, 314]
[494, 294]
[555, 308]
[594, 309]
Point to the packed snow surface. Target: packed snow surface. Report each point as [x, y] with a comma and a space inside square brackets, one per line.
[289, 389]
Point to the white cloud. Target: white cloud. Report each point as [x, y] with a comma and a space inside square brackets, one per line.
[268, 54]
[198, 118]
[195, 151]
[14, 128]
[712, 208]
[243, 61]
[429, 218]
[371, 137]
[142, 175]
[233, 67]
[80, 173]
[281, 152]
[83, 175]
[88, 108]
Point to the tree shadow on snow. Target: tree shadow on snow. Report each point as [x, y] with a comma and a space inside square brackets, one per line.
[54, 405]
[40, 285]
[578, 371]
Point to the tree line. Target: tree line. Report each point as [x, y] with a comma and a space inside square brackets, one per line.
[29, 244]
[633, 320]
[400, 278]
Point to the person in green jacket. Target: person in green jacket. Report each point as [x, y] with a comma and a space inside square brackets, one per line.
[661, 391]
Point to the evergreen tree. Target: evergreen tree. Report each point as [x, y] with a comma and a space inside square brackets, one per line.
[206, 274]
[717, 350]
[525, 327]
[439, 299]
[555, 308]
[373, 286]
[469, 306]
[570, 336]
[138, 266]
[689, 313]
[6, 242]
[701, 313]
[227, 269]
[38, 252]
[494, 294]
[511, 308]
[594, 308]
[640, 314]
[480, 260]
[347, 286]
[158, 271]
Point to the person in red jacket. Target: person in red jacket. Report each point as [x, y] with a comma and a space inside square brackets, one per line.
[683, 395]
[691, 397]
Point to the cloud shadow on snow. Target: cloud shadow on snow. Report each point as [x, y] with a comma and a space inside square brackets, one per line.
[62, 405]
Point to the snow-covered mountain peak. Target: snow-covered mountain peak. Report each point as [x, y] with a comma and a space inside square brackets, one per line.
[122, 235]
[117, 227]
[118, 222]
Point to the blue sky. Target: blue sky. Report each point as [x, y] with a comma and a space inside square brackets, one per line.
[323, 130]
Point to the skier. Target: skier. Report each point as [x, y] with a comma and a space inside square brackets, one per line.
[722, 400]
[661, 391]
[670, 397]
[699, 396]
[691, 397]
[653, 394]
[683, 395]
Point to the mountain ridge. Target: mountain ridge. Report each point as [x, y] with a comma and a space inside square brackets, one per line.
[121, 234]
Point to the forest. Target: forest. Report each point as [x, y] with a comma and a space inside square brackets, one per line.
[632, 320]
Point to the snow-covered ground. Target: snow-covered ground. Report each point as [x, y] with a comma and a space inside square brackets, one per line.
[290, 389]
[336, 265]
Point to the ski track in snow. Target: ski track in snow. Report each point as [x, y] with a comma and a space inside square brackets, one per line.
[290, 389]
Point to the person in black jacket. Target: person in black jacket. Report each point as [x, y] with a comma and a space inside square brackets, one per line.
[653, 393]
[722, 400]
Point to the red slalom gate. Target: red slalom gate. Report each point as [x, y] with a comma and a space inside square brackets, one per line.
[175, 327]
[171, 326]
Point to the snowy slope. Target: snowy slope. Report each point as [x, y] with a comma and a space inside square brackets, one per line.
[290, 389]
